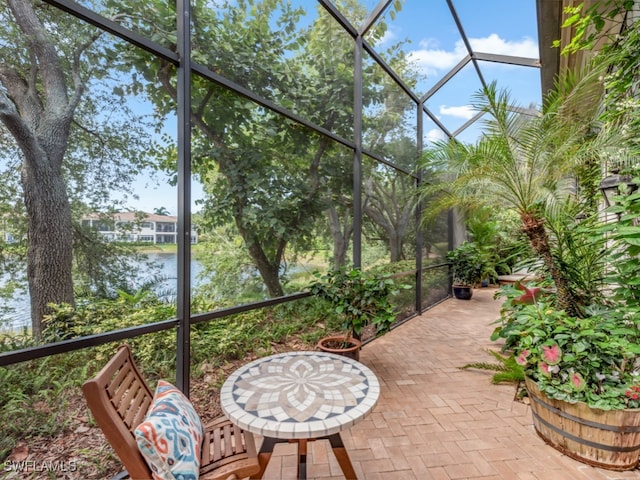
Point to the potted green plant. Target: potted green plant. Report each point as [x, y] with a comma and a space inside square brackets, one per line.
[361, 299]
[579, 343]
[467, 269]
[582, 370]
[483, 228]
[582, 364]
[582, 374]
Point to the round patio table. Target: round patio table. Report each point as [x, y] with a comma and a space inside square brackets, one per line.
[300, 396]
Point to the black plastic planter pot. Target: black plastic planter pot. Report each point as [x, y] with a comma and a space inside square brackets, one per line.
[462, 293]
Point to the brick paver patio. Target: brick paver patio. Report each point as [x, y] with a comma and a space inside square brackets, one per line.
[437, 421]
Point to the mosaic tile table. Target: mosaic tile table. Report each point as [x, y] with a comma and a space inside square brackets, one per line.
[300, 396]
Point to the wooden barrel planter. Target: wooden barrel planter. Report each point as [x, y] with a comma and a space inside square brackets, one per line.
[601, 438]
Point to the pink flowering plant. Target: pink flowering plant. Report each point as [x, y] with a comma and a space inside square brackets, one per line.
[593, 354]
[592, 359]
[633, 396]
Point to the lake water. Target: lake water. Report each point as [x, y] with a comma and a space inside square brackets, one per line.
[168, 263]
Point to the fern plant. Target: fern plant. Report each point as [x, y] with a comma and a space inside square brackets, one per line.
[507, 369]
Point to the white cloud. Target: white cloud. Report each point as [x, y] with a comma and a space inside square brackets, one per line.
[464, 111]
[388, 37]
[433, 60]
[526, 47]
[435, 135]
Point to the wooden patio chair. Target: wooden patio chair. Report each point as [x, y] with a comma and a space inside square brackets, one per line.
[119, 399]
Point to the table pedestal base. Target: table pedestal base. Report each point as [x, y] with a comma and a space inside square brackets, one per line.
[266, 450]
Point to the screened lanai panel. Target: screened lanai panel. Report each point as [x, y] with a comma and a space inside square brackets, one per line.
[431, 131]
[388, 117]
[426, 35]
[154, 20]
[113, 156]
[435, 236]
[123, 197]
[435, 231]
[355, 11]
[503, 30]
[334, 238]
[523, 83]
[389, 229]
[388, 206]
[369, 5]
[291, 53]
[435, 285]
[453, 103]
[268, 183]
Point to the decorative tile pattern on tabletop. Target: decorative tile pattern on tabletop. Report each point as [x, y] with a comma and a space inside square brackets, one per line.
[299, 394]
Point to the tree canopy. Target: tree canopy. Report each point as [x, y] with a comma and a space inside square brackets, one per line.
[72, 127]
[56, 112]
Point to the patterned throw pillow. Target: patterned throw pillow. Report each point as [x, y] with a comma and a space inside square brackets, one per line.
[170, 438]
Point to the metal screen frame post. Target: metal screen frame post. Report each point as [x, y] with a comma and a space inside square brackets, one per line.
[183, 350]
[357, 157]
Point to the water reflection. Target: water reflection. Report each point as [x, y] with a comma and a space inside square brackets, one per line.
[19, 310]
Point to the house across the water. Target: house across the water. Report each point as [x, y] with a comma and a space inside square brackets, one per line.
[136, 227]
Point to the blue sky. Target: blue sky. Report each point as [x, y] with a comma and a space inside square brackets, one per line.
[505, 27]
[500, 27]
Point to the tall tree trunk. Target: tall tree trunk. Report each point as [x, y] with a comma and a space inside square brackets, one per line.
[340, 236]
[395, 246]
[389, 212]
[37, 109]
[270, 272]
[49, 259]
[533, 227]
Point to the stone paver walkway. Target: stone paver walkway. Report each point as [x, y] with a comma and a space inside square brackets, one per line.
[437, 421]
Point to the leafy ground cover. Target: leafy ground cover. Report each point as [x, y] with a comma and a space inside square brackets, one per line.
[47, 429]
[79, 451]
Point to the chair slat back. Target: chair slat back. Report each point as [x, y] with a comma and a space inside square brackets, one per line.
[119, 399]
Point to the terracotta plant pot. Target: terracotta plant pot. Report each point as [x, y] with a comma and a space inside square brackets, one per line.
[337, 345]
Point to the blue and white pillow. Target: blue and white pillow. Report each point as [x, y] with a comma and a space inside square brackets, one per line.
[170, 437]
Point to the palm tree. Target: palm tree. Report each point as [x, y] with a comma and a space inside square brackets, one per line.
[162, 211]
[535, 165]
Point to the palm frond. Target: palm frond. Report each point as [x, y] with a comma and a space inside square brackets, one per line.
[524, 161]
